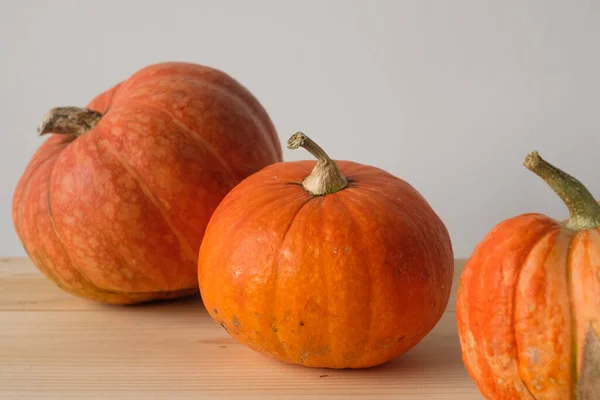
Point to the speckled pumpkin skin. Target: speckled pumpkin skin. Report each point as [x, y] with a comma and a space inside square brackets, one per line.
[526, 299]
[346, 280]
[117, 215]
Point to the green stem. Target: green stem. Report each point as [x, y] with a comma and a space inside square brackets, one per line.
[69, 121]
[325, 177]
[583, 208]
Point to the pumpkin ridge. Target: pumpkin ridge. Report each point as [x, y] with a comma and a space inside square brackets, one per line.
[326, 283]
[569, 278]
[25, 184]
[43, 268]
[382, 196]
[360, 186]
[186, 247]
[368, 339]
[59, 239]
[205, 143]
[93, 285]
[514, 309]
[276, 271]
[408, 217]
[365, 190]
[48, 272]
[551, 230]
[266, 133]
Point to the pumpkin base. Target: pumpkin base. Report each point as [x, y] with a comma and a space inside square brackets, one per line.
[131, 299]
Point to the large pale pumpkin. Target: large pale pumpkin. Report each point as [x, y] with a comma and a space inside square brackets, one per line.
[113, 206]
[343, 267]
[528, 305]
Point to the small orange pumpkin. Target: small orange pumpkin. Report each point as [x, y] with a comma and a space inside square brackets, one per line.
[528, 306]
[346, 266]
[113, 206]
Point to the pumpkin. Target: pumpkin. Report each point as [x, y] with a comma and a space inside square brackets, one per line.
[528, 306]
[325, 264]
[113, 205]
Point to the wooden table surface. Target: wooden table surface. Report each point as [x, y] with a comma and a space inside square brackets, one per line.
[55, 346]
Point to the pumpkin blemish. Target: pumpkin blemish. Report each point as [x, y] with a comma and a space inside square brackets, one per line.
[303, 356]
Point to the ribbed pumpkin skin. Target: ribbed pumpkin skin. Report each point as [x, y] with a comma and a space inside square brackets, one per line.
[346, 280]
[527, 297]
[117, 215]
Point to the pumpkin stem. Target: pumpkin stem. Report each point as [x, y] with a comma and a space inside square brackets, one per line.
[325, 177]
[69, 121]
[583, 208]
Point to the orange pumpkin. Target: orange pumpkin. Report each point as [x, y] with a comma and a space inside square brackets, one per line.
[113, 206]
[344, 266]
[528, 306]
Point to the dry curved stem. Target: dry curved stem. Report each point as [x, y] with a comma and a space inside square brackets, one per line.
[325, 177]
[584, 210]
[69, 121]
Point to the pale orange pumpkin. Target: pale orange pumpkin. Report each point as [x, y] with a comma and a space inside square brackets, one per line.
[326, 264]
[113, 206]
[528, 305]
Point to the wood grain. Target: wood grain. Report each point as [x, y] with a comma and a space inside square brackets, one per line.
[55, 346]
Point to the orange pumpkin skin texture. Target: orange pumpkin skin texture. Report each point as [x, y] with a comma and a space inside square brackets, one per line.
[528, 299]
[117, 214]
[350, 279]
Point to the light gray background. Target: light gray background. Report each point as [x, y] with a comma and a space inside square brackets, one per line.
[449, 95]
